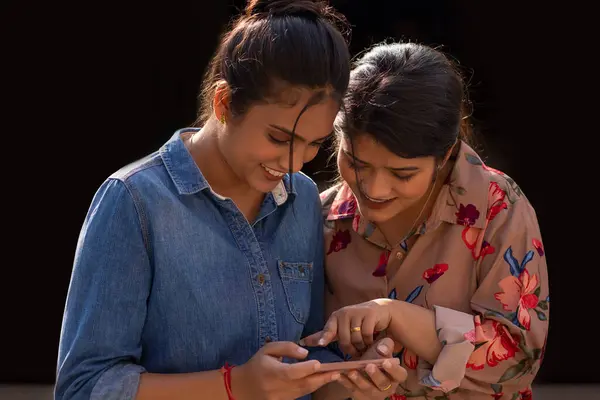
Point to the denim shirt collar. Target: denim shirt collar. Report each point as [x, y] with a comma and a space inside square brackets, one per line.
[188, 178]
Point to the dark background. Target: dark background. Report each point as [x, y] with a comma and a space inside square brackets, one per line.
[89, 87]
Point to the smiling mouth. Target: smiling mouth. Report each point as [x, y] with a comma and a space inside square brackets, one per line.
[273, 172]
[378, 200]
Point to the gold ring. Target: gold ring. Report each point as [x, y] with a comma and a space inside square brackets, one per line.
[355, 329]
[386, 388]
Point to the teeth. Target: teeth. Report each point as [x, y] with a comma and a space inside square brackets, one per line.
[273, 172]
[376, 200]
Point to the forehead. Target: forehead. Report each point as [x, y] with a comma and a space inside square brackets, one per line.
[315, 122]
[367, 148]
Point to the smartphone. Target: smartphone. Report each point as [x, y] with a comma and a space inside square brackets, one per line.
[359, 364]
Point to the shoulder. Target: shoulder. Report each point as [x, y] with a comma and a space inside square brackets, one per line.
[304, 186]
[143, 169]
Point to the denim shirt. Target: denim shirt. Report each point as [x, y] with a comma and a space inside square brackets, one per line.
[170, 277]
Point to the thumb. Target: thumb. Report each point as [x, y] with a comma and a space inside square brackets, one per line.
[382, 348]
[385, 347]
[284, 349]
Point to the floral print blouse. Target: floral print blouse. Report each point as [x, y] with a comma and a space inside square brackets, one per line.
[478, 262]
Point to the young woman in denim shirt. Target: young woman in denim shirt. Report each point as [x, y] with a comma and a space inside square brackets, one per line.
[208, 253]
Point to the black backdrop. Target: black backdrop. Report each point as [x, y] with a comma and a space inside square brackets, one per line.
[90, 87]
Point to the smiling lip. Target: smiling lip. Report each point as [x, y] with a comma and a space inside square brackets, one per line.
[272, 174]
[376, 204]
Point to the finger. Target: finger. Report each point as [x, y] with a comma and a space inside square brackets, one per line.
[344, 335]
[284, 349]
[356, 335]
[385, 347]
[395, 371]
[298, 370]
[313, 382]
[330, 331]
[347, 383]
[311, 340]
[368, 328]
[379, 379]
[360, 381]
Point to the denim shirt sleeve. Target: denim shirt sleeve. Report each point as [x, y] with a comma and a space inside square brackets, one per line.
[100, 343]
[316, 320]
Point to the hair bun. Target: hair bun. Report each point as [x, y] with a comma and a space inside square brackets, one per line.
[301, 8]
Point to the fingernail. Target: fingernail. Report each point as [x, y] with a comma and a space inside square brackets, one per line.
[302, 351]
[371, 369]
[321, 342]
[317, 366]
[301, 342]
[387, 364]
[335, 376]
[352, 375]
[383, 349]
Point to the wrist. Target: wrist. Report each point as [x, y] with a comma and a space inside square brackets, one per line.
[396, 310]
[239, 386]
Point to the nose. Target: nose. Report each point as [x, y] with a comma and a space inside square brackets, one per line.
[375, 185]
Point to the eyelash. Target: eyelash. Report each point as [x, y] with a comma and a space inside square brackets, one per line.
[287, 142]
[354, 166]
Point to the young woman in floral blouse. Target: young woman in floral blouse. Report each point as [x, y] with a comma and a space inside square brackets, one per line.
[425, 243]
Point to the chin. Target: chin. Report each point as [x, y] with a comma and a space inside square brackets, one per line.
[377, 216]
[263, 185]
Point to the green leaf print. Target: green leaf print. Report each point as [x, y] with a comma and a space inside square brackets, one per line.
[513, 371]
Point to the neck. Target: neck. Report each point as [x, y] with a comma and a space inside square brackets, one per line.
[204, 148]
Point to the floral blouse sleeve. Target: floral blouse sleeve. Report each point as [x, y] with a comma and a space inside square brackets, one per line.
[502, 344]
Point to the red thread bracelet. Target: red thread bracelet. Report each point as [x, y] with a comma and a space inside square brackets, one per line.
[226, 371]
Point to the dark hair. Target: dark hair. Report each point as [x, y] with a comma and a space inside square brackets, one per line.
[410, 97]
[276, 44]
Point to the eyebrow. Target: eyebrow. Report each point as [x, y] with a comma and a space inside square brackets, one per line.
[399, 169]
[298, 137]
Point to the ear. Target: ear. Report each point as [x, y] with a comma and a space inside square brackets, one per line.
[221, 101]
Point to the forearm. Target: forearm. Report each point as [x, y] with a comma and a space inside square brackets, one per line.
[414, 327]
[192, 386]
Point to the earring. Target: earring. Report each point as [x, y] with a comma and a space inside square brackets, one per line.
[222, 118]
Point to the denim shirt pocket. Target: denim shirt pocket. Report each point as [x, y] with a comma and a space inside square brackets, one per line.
[296, 278]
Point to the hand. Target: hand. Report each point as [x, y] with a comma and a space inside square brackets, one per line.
[353, 326]
[265, 377]
[379, 384]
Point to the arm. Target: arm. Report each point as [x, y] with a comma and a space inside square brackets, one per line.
[104, 316]
[99, 349]
[499, 347]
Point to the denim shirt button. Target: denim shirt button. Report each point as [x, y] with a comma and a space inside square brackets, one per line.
[268, 339]
[261, 278]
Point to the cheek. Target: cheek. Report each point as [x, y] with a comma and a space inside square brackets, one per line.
[414, 188]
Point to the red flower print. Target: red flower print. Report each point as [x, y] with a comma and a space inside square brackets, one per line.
[473, 237]
[496, 200]
[382, 265]
[538, 246]
[410, 359]
[526, 394]
[432, 274]
[340, 241]
[497, 396]
[494, 344]
[519, 294]
[467, 215]
[397, 397]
